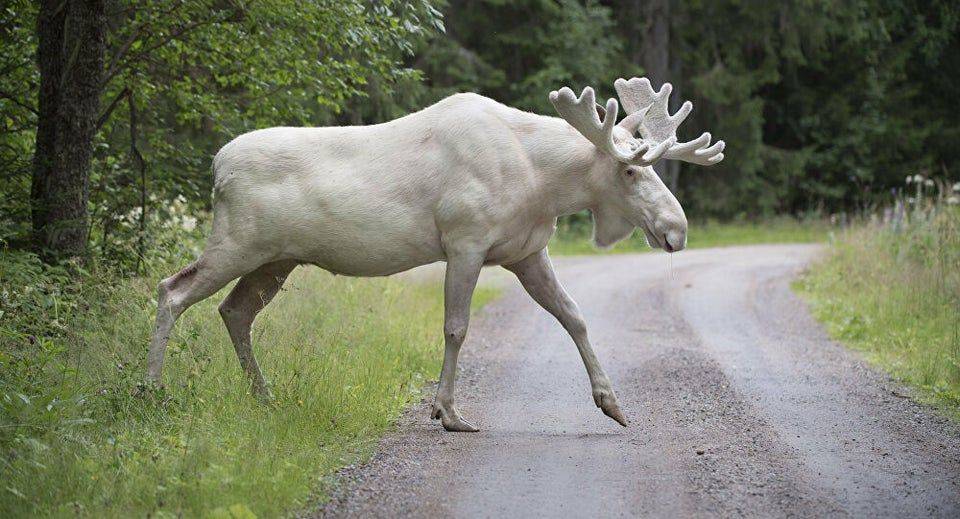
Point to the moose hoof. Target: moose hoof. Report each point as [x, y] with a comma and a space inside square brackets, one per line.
[451, 420]
[608, 404]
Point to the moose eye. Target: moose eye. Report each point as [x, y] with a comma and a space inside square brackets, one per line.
[629, 172]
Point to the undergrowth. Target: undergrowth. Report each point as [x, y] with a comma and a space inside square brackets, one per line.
[80, 436]
[893, 292]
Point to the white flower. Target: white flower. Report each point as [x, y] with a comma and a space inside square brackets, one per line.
[956, 187]
[928, 182]
[954, 200]
[188, 223]
[918, 178]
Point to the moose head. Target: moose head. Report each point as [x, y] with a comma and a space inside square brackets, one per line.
[636, 197]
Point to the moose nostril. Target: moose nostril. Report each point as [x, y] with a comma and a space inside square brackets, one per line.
[666, 244]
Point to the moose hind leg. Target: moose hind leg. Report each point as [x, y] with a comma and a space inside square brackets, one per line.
[252, 293]
[175, 294]
[170, 304]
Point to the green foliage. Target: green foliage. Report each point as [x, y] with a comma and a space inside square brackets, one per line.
[80, 436]
[518, 51]
[823, 103]
[19, 79]
[894, 294]
[195, 74]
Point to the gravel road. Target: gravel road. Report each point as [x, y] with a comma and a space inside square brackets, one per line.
[739, 403]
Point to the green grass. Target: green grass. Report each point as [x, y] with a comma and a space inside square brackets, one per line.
[896, 298]
[344, 357]
[577, 240]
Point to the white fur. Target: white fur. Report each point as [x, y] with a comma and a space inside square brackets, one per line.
[467, 180]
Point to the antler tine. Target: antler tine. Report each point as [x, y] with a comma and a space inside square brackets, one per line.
[636, 94]
[650, 116]
[581, 113]
[697, 152]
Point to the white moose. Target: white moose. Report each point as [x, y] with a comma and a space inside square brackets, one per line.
[468, 181]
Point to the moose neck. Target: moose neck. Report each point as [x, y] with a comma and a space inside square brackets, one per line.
[569, 164]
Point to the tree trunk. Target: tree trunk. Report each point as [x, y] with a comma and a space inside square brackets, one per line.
[673, 166]
[70, 57]
[49, 61]
[656, 53]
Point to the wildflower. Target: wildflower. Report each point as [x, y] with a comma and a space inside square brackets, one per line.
[909, 179]
[188, 223]
[928, 182]
[918, 178]
[956, 187]
[954, 200]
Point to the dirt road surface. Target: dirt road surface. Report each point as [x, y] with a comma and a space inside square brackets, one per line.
[740, 405]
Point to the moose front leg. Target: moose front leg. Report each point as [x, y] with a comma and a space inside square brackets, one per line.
[536, 274]
[461, 278]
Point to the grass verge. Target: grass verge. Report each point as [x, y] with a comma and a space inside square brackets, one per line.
[344, 357]
[895, 296]
[571, 240]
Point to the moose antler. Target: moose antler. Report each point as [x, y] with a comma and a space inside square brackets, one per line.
[581, 113]
[648, 112]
